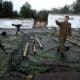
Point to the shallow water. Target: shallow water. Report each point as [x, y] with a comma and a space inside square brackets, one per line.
[28, 23]
[74, 20]
[7, 23]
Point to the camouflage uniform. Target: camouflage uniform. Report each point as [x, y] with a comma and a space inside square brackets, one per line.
[64, 31]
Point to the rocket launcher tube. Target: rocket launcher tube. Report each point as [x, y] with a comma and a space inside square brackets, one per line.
[26, 49]
[41, 46]
[34, 49]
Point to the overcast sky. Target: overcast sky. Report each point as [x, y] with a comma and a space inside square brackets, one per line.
[41, 4]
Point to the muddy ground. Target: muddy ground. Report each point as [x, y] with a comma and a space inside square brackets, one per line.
[47, 60]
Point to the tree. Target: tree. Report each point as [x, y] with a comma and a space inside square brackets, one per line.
[54, 11]
[76, 7]
[7, 9]
[34, 13]
[15, 14]
[42, 15]
[27, 5]
[64, 10]
[27, 12]
[1, 11]
[78, 1]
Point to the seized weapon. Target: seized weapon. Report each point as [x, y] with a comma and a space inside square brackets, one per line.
[26, 49]
[41, 46]
[19, 30]
[34, 46]
[34, 49]
[2, 47]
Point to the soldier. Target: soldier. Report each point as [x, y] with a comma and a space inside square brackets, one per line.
[64, 32]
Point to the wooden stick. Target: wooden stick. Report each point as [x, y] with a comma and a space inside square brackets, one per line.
[26, 49]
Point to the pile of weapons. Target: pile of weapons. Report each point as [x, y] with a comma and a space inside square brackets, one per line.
[33, 40]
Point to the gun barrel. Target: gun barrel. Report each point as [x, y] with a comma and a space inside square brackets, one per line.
[41, 46]
[26, 49]
[34, 49]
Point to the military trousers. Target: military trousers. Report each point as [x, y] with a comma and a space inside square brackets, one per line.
[62, 44]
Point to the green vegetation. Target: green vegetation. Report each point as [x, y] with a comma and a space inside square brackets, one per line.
[42, 15]
[6, 11]
[76, 7]
[68, 9]
[27, 12]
